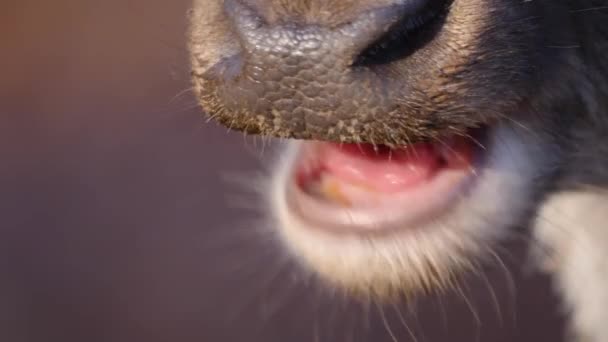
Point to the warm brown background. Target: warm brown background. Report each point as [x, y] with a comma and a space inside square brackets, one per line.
[114, 219]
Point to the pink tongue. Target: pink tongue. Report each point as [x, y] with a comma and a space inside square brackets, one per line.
[384, 171]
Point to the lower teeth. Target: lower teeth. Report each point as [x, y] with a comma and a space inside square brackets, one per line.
[329, 188]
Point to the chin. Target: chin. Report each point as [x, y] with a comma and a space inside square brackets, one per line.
[378, 221]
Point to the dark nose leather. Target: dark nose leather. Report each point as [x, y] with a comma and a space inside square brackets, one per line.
[291, 40]
[297, 79]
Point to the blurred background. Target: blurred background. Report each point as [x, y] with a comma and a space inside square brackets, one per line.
[117, 222]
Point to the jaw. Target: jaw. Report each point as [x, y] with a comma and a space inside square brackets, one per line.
[404, 256]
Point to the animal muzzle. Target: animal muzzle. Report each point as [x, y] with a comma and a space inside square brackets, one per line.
[298, 79]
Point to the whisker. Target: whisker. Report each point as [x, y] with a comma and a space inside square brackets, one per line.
[404, 323]
[386, 324]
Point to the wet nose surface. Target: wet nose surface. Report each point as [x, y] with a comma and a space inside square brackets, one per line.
[304, 40]
[298, 79]
[299, 75]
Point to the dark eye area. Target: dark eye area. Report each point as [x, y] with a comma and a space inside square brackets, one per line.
[411, 32]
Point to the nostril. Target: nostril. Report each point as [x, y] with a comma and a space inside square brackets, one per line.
[294, 75]
[418, 23]
[377, 36]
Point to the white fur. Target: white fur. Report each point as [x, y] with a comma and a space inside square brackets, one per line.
[424, 256]
[574, 226]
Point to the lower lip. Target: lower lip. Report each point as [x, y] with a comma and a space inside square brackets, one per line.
[406, 208]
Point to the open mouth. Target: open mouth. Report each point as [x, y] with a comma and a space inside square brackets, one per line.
[364, 188]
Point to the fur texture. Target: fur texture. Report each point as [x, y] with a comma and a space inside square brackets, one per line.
[534, 71]
[573, 225]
